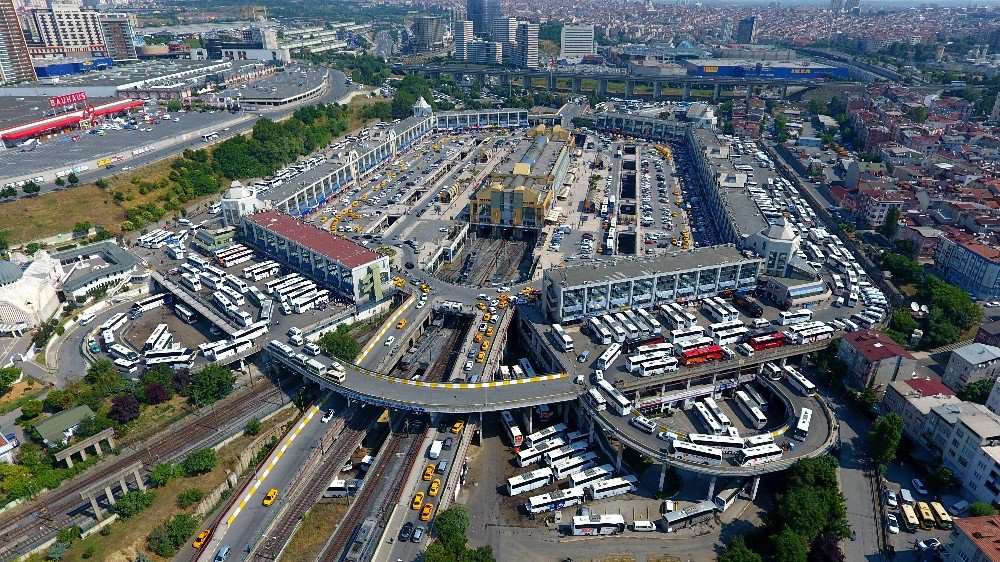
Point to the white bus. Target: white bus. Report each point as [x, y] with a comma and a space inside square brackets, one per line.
[191, 282]
[698, 513]
[529, 371]
[534, 454]
[116, 321]
[185, 313]
[545, 434]
[721, 326]
[837, 284]
[726, 443]
[649, 319]
[571, 465]
[236, 257]
[799, 382]
[616, 400]
[597, 330]
[280, 349]
[771, 371]
[612, 487]
[681, 347]
[816, 334]
[634, 362]
[151, 341]
[685, 334]
[174, 358]
[758, 455]
[652, 348]
[512, 429]
[731, 336]
[589, 475]
[802, 426]
[597, 525]
[643, 424]
[630, 329]
[125, 366]
[529, 481]
[563, 341]
[122, 352]
[609, 356]
[700, 454]
[618, 333]
[566, 451]
[728, 495]
[596, 400]
[658, 366]
[707, 419]
[556, 500]
[720, 310]
[716, 411]
[575, 437]
[677, 318]
[756, 418]
[640, 324]
[788, 318]
[757, 440]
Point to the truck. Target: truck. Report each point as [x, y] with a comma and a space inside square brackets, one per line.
[435, 450]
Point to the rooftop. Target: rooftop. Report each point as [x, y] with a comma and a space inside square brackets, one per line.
[621, 269]
[763, 63]
[984, 532]
[52, 429]
[928, 387]
[977, 353]
[117, 260]
[876, 346]
[321, 241]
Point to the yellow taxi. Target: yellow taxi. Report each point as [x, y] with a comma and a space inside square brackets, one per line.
[677, 192]
[478, 338]
[485, 345]
[272, 495]
[435, 486]
[429, 472]
[480, 357]
[675, 213]
[487, 316]
[489, 332]
[418, 501]
[202, 537]
[427, 512]
[481, 305]
[456, 428]
[401, 324]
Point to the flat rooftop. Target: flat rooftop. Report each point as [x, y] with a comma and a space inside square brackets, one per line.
[621, 269]
[25, 109]
[129, 73]
[739, 203]
[316, 239]
[281, 85]
[754, 62]
[542, 157]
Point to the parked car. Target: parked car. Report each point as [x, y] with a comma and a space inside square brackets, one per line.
[918, 485]
[891, 523]
[891, 499]
[929, 544]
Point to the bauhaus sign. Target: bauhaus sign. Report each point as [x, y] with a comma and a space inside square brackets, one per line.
[67, 99]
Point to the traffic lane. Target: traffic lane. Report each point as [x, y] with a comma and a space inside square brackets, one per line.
[249, 525]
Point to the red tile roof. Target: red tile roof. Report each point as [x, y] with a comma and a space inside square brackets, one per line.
[984, 532]
[321, 241]
[876, 346]
[930, 387]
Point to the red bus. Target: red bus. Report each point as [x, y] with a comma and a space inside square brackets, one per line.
[701, 355]
[767, 341]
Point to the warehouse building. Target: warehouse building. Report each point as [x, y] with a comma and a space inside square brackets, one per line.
[578, 292]
[748, 68]
[356, 273]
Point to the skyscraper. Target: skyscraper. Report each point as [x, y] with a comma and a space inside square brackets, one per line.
[526, 53]
[119, 34]
[576, 41]
[15, 62]
[505, 33]
[836, 6]
[747, 30]
[76, 31]
[726, 32]
[482, 14]
[462, 31]
[428, 33]
[491, 14]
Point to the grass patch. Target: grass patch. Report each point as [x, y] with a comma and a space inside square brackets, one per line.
[126, 537]
[19, 393]
[317, 526]
[154, 418]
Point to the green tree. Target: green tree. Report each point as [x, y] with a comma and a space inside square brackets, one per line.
[31, 187]
[826, 549]
[162, 375]
[8, 376]
[789, 546]
[884, 437]
[59, 400]
[187, 498]
[162, 473]
[72, 178]
[981, 509]
[738, 551]
[69, 534]
[903, 322]
[103, 377]
[816, 106]
[134, 503]
[450, 527]
[82, 228]
[917, 114]
[60, 182]
[167, 538]
[57, 551]
[212, 383]
[976, 391]
[174, 105]
[942, 478]
[199, 462]
[31, 409]
[339, 344]
[890, 225]
[253, 427]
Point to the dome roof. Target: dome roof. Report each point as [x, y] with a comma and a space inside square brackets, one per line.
[9, 272]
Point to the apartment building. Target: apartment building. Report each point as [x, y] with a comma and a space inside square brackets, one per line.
[971, 363]
[970, 264]
[15, 61]
[526, 52]
[874, 359]
[914, 400]
[576, 42]
[64, 29]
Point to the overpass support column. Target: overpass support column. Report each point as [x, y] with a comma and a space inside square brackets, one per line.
[121, 480]
[782, 362]
[552, 81]
[711, 487]
[716, 92]
[526, 82]
[590, 431]
[504, 80]
[784, 92]
[663, 475]
[749, 92]
[565, 409]
[602, 87]
[577, 85]
[98, 512]
[138, 480]
[753, 487]
[657, 90]
[686, 93]
[111, 497]
[528, 420]
[629, 88]
[618, 461]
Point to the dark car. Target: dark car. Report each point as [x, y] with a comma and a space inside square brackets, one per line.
[408, 265]
[406, 532]
[448, 443]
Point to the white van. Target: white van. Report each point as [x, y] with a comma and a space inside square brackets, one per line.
[643, 526]
[745, 349]
[906, 497]
[761, 323]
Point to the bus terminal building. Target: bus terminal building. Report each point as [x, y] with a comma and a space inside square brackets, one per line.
[578, 292]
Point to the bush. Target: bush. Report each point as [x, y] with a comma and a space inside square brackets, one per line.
[105, 530]
[212, 383]
[253, 427]
[124, 408]
[31, 409]
[187, 498]
[199, 462]
[167, 538]
[981, 509]
[134, 503]
[89, 552]
[68, 534]
[340, 344]
[57, 551]
[155, 393]
[162, 473]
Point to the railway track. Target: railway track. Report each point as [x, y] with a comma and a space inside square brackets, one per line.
[37, 521]
[438, 370]
[330, 466]
[377, 502]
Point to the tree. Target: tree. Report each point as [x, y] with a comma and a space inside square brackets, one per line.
[942, 478]
[199, 462]
[253, 427]
[976, 391]
[31, 187]
[57, 551]
[60, 182]
[884, 437]
[450, 527]
[789, 546]
[103, 377]
[31, 409]
[167, 538]
[155, 393]
[134, 503]
[162, 473]
[174, 105]
[72, 178]
[82, 228]
[890, 226]
[59, 400]
[8, 376]
[187, 498]
[211, 383]
[161, 375]
[339, 344]
[738, 551]
[826, 549]
[125, 408]
[981, 509]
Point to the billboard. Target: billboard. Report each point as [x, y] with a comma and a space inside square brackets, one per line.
[67, 99]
